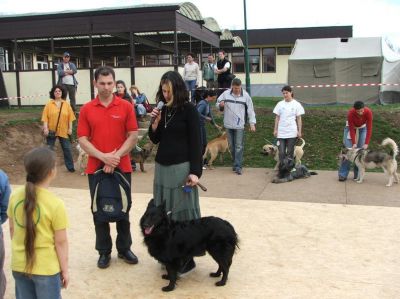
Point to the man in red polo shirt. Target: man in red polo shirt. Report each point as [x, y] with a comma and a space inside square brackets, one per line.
[357, 134]
[107, 131]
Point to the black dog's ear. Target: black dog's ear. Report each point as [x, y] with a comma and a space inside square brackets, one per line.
[343, 146]
[151, 204]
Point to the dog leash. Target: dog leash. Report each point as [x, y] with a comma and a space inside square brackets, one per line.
[187, 189]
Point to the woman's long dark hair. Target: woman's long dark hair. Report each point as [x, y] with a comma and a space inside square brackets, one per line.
[126, 94]
[38, 162]
[177, 87]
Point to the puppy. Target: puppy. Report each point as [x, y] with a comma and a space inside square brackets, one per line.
[216, 146]
[174, 243]
[272, 150]
[372, 159]
[140, 156]
[82, 160]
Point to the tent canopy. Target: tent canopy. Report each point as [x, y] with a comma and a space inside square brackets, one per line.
[357, 65]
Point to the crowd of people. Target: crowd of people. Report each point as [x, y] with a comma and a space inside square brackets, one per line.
[108, 130]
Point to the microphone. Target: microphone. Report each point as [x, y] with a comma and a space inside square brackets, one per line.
[160, 105]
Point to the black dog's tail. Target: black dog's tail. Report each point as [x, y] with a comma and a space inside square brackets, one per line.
[313, 173]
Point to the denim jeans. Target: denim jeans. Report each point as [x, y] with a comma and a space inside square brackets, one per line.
[37, 286]
[66, 147]
[236, 146]
[286, 147]
[345, 165]
[190, 86]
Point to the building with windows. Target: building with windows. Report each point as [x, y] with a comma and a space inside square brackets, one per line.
[141, 43]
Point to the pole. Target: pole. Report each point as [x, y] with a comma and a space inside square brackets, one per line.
[246, 50]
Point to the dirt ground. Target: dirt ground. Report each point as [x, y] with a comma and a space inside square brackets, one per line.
[314, 238]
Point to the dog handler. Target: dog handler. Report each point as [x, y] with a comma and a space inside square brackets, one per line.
[236, 103]
[288, 123]
[176, 130]
[356, 134]
[107, 131]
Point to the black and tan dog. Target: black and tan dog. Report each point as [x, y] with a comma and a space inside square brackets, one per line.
[365, 159]
[174, 243]
[288, 171]
[139, 155]
[272, 150]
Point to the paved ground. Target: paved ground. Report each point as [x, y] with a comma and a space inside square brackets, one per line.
[311, 238]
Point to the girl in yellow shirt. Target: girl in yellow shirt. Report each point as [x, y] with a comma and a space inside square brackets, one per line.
[38, 223]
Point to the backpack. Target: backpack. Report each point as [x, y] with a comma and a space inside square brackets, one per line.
[111, 196]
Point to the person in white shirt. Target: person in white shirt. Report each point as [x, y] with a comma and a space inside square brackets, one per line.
[288, 123]
[191, 76]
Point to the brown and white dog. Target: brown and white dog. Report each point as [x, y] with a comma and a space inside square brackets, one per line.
[216, 146]
[365, 159]
[82, 161]
[272, 150]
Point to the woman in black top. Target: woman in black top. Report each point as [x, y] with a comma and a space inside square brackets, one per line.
[176, 128]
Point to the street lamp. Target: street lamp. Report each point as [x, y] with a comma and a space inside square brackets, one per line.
[246, 50]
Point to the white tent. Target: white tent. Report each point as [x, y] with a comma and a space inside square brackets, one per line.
[334, 70]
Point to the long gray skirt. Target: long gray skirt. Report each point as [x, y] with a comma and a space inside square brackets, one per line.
[167, 187]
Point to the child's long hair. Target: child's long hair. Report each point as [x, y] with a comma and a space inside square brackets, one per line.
[38, 162]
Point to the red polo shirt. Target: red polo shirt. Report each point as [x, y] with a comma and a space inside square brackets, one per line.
[107, 128]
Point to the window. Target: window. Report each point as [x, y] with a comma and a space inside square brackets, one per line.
[42, 62]
[321, 70]
[370, 69]
[269, 60]
[109, 61]
[254, 60]
[152, 60]
[28, 61]
[122, 61]
[238, 62]
[2, 59]
[164, 59]
[284, 50]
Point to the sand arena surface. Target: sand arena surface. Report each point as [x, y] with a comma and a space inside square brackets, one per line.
[287, 250]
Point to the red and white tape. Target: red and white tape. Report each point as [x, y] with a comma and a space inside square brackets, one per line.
[345, 85]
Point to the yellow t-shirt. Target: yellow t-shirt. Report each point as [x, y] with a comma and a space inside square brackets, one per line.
[50, 216]
[50, 116]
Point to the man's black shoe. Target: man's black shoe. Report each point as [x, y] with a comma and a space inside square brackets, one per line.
[129, 257]
[342, 179]
[104, 261]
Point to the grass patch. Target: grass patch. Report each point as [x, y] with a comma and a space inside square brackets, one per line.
[322, 129]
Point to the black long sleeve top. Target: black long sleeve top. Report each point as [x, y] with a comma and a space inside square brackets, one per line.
[178, 136]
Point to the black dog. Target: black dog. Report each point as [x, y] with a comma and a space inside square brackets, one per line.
[287, 172]
[174, 243]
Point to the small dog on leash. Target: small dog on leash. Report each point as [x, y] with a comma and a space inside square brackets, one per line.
[139, 155]
[288, 172]
[82, 161]
[272, 150]
[367, 159]
[216, 146]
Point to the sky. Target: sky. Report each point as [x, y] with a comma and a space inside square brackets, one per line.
[369, 18]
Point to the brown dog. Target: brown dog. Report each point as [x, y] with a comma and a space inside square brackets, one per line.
[82, 161]
[140, 156]
[215, 146]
